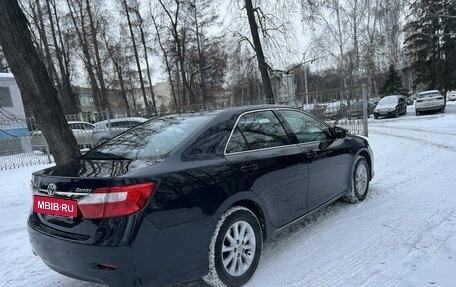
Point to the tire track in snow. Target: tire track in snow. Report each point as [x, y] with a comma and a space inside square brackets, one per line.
[414, 129]
[422, 141]
[353, 265]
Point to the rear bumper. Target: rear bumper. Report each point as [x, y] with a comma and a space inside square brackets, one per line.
[80, 261]
[385, 114]
[155, 257]
[429, 108]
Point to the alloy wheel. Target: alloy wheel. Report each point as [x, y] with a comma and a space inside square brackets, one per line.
[361, 178]
[238, 250]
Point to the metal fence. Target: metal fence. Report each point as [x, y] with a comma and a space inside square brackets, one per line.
[348, 108]
[22, 142]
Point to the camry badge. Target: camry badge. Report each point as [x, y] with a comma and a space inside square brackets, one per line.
[51, 189]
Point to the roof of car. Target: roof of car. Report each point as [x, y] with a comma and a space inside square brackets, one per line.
[137, 119]
[255, 107]
[79, 122]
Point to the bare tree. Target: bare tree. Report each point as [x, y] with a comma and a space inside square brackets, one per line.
[68, 100]
[99, 64]
[158, 33]
[77, 16]
[120, 62]
[172, 9]
[140, 25]
[262, 65]
[135, 50]
[34, 82]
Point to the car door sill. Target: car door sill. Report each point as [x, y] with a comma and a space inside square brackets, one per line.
[315, 210]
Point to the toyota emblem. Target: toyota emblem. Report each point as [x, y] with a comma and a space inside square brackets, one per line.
[51, 188]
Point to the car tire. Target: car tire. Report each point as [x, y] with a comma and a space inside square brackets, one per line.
[396, 114]
[375, 116]
[233, 261]
[359, 181]
[417, 113]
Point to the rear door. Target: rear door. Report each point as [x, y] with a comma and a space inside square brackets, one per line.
[329, 159]
[269, 164]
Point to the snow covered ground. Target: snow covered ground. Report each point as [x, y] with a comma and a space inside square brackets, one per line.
[403, 234]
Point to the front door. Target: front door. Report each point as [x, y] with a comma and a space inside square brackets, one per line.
[269, 165]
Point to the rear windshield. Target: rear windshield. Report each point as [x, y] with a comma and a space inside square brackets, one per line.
[428, 95]
[154, 139]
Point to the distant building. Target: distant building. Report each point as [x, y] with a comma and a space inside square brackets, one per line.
[12, 113]
[284, 88]
[134, 97]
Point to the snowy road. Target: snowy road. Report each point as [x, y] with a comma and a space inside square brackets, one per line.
[404, 234]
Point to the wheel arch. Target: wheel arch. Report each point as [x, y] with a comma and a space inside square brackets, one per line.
[250, 201]
[256, 209]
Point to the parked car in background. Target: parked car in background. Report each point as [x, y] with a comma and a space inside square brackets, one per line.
[82, 131]
[335, 111]
[316, 109]
[355, 110]
[451, 96]
[391, 106]
[429, 101]
[195, 195]
[107, 129]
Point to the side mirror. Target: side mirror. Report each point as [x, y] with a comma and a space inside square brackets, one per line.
[339, 132]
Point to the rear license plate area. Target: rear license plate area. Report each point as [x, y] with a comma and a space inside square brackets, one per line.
[55, 206]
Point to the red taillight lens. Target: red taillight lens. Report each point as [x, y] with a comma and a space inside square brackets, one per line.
[116, 201]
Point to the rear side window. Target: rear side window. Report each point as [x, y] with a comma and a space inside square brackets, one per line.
[257, 130]
[75, 126]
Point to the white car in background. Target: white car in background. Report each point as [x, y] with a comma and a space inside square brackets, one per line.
[107, 129]
[429, 101]
[451, 96]
[82, 132]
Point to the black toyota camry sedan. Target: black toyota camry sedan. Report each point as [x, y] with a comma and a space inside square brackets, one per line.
[195, 195]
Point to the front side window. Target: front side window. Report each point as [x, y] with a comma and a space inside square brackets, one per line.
[305, 127]
[257, 130]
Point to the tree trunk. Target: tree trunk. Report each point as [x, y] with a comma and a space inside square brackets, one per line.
[201, 59]
[135, 50]
[70, 106]
[181, 56]
[168, 66]
[262, 65]
[45, 45]
[143, 41]
[180, 59]
[99, 66]
[34, 82]
[82, 37]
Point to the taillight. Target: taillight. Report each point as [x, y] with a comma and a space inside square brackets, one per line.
[116, 201]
